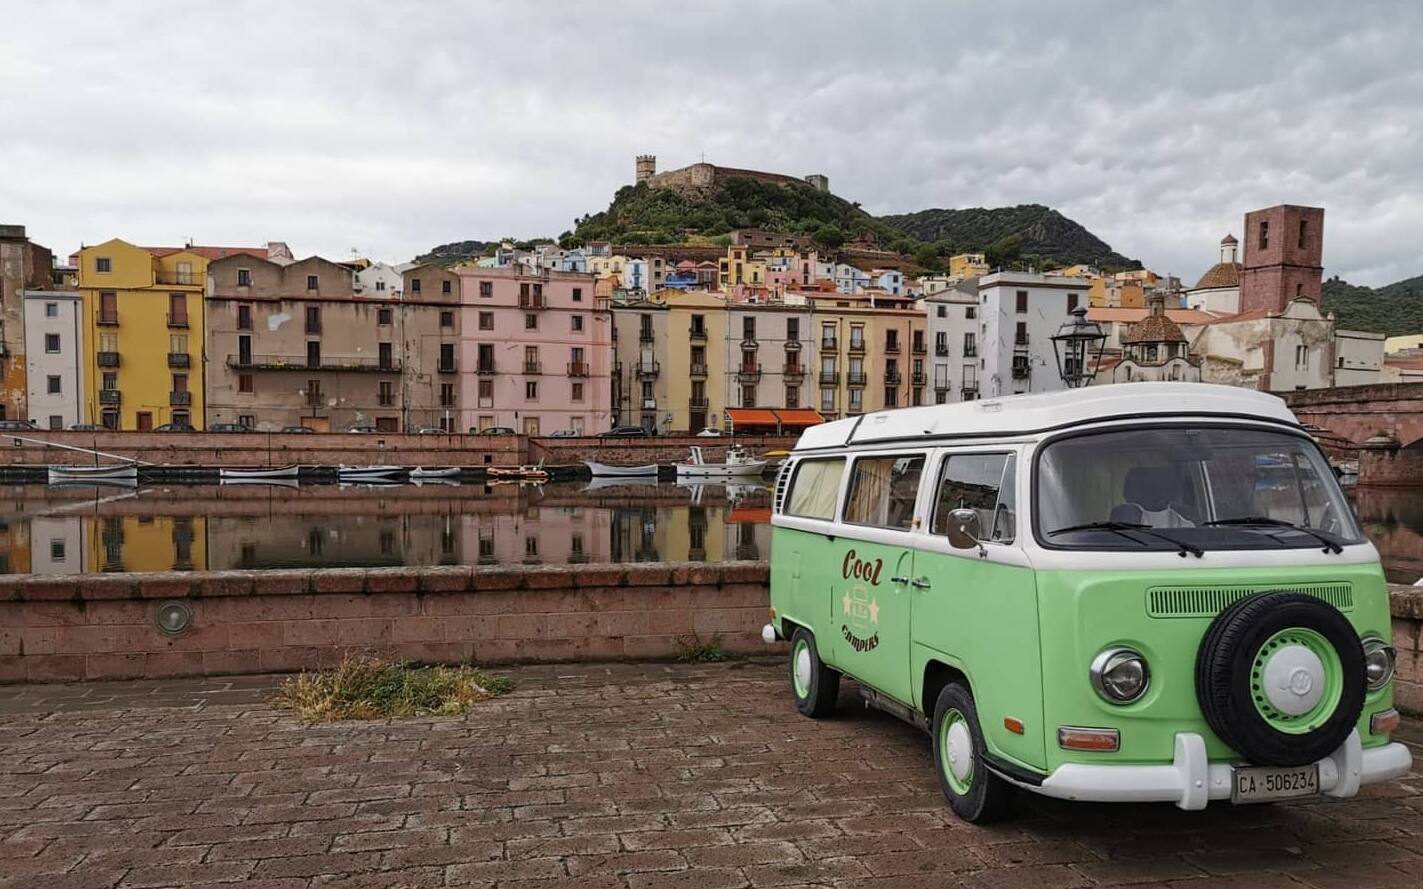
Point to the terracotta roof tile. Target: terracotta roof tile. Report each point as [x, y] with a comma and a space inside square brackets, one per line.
[1222, 274]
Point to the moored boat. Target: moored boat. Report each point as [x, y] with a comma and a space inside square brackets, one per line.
[111, 472]
[420, 472]
[292, 482]
[233, 473]
[739, 462]
[519, 473]
[368, 473]
[609, 470]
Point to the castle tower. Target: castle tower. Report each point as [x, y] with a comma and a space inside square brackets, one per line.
[646, 167]
[1284, 257]
[818, 181]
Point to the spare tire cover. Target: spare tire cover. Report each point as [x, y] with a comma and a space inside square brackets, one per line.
[1280, 678]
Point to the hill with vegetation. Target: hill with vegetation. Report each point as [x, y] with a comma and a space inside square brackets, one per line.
[1028, 233]
[1012, 237]
[1395, 309]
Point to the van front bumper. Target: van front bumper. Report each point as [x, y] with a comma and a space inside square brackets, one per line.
[1191, 780]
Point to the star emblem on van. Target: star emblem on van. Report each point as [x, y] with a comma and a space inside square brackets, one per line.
[846, 602]
[874, 611]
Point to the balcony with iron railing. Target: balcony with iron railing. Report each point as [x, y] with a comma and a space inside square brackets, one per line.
[577, 368]
[967, 394]
[646, 338]
[793, 370]
[485, 369]
[828, 343]
[533, 368]
[749, 344]
[1021, 371]
[919, 348]
[893, 378]
[697, 334]
[856, 345]
[829, 378]
[941, 351]
[970, 351]
[532, 301]
[109, 396]
[180, 359]
[698, 370]
[648, 369]
[855, 379]
[180, 399]
[919, 378]
[891, 347]
[448, 367]
[178, 279]
[698, 404]
[303, 362]
[108, 359]
[748, 373]
[793, 345]
[941, 384]
[1020, 340]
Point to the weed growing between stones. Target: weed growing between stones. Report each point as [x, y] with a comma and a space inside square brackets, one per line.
[692, 650]
[366, 687]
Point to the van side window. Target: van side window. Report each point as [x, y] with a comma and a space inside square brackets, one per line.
[882, 491]
[983, 482]
[814, 488]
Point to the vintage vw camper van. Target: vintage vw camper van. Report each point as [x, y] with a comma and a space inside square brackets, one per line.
[1149, 591]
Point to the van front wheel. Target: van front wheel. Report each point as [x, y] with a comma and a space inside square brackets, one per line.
[975, 794]
[814, 685]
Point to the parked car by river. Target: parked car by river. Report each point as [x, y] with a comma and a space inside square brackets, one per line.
[625, 432]
[493, 430]
[183, 427]
[18, 426]
[86, 427]
[216, 427]
[298, 429]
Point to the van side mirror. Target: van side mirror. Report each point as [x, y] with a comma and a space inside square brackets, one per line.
[963, 531]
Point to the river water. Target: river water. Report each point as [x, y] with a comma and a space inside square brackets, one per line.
[48, 530]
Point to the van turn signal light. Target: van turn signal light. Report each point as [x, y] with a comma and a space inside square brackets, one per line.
[1100, 740]
[1384, 722]
[1013, 725]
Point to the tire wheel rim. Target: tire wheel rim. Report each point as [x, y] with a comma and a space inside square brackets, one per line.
[1296, 681]
[956, 752]
[801, 669]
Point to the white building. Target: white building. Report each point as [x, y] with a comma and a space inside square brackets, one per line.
[1018, 314]
[57, 545]
[1272, 352]
[849, 279]
[1218, 290]
[1358, 357]
[54, 357]
[379, 280]
[953, 341]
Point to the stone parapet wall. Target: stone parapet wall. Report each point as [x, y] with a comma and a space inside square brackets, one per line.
[662, 449]
[83, 627]
[1407, 606]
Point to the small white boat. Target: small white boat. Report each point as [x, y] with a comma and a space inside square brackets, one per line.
[598, 483]
[519, 473]
[421, 472]
[739, 463]
[112, 472]
[263, 473]
[608, 470]
[447, 482]
[368, 473]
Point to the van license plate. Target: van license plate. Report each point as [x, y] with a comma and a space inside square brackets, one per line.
[1258, 784]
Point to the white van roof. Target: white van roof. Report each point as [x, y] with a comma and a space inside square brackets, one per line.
[1024, 414]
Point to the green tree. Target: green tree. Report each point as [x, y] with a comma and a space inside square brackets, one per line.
[830, 237]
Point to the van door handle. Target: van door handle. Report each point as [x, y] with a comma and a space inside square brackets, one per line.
[899, 579]
[920, 583]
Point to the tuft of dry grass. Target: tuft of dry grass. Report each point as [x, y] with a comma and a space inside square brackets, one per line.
[693, 650]
[368, 687]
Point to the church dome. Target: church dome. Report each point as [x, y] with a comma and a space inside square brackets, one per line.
[1222, 274]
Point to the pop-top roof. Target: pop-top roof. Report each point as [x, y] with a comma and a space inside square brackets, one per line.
[1023, 414]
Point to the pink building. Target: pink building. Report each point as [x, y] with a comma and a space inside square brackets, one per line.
[535, 351]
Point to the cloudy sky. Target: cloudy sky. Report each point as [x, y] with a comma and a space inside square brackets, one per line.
[390, 127]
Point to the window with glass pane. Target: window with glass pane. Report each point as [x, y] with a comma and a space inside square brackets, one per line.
[883, 490]
[814, 488]
[983, 483]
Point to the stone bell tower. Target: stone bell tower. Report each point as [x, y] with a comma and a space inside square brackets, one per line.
[1284, 257]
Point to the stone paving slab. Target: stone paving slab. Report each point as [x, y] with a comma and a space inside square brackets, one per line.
[628, 776]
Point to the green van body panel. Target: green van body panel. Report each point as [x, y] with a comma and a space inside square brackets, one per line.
[1025, 638]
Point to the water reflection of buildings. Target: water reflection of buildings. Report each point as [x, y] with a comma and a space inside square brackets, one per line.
[184, 528]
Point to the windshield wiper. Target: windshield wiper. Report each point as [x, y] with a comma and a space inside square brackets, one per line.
[1121, 528]
[1331, 545]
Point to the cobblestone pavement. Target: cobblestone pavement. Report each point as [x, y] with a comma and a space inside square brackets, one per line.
[596, 776]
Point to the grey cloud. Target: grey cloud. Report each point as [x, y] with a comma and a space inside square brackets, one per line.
[392, 127]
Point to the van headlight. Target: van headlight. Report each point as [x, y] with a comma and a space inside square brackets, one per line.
[1120, 675]
[1378, 662]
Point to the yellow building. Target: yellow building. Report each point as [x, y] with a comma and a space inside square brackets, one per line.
[968, 265]
[133, 543]
[143, 333]
[870, 353]
[738, 268]
[696, 358]
[608, 267]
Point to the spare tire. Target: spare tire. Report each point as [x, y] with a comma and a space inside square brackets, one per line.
[1280, 678]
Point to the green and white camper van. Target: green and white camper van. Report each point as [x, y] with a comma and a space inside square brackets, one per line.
[1150, 591]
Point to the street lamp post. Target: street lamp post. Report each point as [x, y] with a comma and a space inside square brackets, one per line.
[1078, 348]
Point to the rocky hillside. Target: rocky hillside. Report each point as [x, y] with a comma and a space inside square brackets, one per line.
[1395, 309]
[1013, 233]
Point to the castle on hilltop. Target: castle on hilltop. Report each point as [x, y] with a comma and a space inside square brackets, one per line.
[704, 176]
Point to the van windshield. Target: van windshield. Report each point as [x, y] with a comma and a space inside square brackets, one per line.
[1189, 489]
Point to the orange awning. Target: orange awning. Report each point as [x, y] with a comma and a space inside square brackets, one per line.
[750, 416]
[753, 515]
[800, 417]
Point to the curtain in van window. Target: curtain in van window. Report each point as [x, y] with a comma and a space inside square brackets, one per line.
[814, 488]
[883, 490]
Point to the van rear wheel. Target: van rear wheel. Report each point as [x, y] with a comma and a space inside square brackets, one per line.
[815, 686]
[974, 793]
